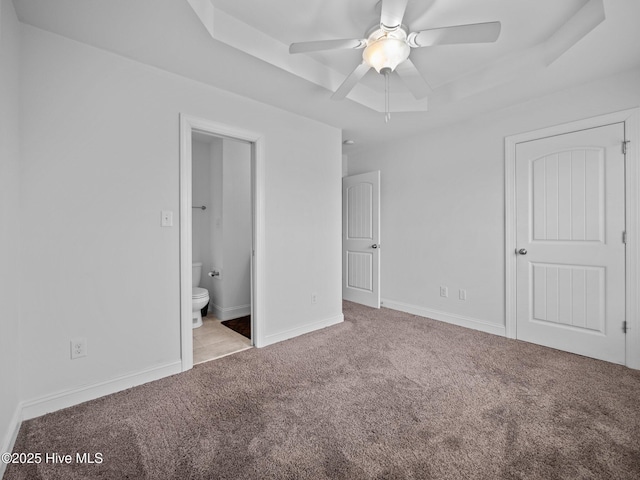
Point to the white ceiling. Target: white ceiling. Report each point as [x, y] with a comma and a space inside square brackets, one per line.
[524, 25]
[241, 46]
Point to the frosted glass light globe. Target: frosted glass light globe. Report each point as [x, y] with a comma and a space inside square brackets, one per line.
[387, 52]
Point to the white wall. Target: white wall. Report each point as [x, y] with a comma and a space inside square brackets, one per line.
[442, 203]
[100, 161]
[236, 227]
[215, 219]
[201, 219]
[10, 238]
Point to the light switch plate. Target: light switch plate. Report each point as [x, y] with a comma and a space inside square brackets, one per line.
[167, 218]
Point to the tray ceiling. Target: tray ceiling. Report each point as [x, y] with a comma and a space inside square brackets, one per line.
[242, 46]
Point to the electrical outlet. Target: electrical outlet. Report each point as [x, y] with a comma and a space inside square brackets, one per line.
[78, 347]
[444, 291]
[462, 294]
[314, 298]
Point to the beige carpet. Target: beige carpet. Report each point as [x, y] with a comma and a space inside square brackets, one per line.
[384, 395]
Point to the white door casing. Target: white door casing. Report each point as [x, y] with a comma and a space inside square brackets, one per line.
[361, 239]
[189, 124]
[570, 223]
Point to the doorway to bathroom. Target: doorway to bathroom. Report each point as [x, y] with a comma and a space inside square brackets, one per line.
[221, 225]
[220, 239]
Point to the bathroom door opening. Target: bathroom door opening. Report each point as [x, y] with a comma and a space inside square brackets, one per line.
[220, 170]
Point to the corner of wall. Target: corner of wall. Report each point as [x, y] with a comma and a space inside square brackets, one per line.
[10, 233]
[11, 434]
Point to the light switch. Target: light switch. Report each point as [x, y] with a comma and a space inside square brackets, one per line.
[167, 218]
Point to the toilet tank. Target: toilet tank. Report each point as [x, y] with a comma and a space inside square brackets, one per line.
[196, 270]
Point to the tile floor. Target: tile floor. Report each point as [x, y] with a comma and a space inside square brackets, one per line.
[213, 340]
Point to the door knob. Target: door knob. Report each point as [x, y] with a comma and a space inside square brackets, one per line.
[375, 245]
[522, 251]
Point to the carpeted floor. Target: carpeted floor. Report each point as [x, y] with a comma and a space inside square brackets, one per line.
[384, 395]
[240, 325]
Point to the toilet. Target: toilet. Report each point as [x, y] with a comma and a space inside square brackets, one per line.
[199, 296]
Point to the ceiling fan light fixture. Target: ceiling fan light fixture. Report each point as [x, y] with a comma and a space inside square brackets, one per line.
[388, 45]
[386, 52]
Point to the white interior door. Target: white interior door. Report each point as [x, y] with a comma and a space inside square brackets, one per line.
[361, 239]
[571, 254]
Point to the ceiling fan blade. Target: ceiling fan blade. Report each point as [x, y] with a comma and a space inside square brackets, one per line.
[346, 43]
[392, 13]
[351, 81]
[472, 33]
[413, 80]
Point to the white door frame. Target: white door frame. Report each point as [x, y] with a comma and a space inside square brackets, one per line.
[189, 124]
[631, 119]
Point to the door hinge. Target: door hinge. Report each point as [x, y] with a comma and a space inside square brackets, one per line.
[624, 326]
[624, 237]
[624, 146]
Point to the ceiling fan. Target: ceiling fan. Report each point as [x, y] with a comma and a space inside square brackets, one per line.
[387, 47]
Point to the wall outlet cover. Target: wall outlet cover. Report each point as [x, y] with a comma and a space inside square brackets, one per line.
[78, 348]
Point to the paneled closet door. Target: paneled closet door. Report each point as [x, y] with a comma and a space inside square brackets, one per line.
[570, 193]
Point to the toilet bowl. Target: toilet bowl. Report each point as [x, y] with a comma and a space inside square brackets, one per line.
[199, 296]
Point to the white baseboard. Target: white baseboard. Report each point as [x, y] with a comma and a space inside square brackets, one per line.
[228, 313]
[68, 398]
[294, 332]
[453, 318]
[10, 438]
